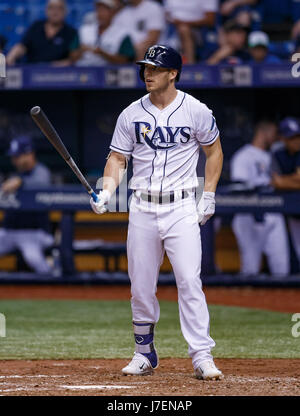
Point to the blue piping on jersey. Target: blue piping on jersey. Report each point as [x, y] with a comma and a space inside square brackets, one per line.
[213, 123]
[141, 101]
[161, 184]
[204, 144]
[123, 150]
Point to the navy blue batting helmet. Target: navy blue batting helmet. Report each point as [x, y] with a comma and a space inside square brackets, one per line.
[163, 57]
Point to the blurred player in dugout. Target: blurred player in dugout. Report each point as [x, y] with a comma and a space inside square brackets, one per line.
[26, 231]
[259, 234]
[286, 166]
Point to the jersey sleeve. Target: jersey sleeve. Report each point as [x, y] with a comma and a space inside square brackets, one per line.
[121, 141]
[207, 131]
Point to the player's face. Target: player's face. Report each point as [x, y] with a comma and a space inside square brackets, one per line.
[158, 79]
[271, 135]
[293, 144]
[24, 162]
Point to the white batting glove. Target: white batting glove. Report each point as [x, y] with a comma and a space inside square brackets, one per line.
[100, 207]
[206, 207]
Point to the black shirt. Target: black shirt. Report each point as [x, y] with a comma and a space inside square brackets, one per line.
[43, 49]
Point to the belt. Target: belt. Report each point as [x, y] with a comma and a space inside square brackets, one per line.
[162, 198]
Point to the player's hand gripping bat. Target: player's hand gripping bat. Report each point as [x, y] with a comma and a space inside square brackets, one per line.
[49, 131]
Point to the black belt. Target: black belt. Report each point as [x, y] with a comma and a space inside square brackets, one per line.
[162, 198]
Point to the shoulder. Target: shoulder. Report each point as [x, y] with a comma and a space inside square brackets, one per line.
[136, 105]
[36, 25]
[41, 168]
[198, 110]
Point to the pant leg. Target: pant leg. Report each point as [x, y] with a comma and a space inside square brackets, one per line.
[31, 243]
[249, 235]
[294, 226]
[145, 255]
[276, 245]
[182, 243]
[7, 244]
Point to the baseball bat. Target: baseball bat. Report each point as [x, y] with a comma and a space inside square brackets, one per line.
[40, 118]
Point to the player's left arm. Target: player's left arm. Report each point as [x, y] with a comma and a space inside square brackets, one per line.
[213, 166]
[213, 169]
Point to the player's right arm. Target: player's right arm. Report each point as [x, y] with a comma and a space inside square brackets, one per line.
[116, 165]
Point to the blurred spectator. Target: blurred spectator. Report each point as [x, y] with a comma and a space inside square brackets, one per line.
[280, 18]
[233, 48]
[26, 231]
[287, 170]
[258, 43]
[240, 10]
[144, 20]
[104, 41]
[258, 234]
[189, 17]
[50, 40]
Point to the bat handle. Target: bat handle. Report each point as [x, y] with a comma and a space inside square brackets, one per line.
[94, 196]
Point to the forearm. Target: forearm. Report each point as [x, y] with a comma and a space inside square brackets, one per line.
[245, 2]
[114, 171]
[114, 59]
[15, 53]
[288, 183]
[213, 169]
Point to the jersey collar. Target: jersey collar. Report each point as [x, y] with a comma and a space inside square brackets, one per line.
[168, 110]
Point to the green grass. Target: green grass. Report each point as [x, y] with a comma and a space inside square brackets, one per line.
[54, 329]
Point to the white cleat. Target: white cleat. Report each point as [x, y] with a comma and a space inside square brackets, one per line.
[208, 371]
[138, 366]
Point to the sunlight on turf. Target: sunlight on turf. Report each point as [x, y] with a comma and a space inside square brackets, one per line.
[102, 329]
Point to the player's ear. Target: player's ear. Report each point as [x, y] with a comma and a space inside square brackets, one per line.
[173, 74]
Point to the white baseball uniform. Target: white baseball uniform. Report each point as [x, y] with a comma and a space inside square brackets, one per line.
[164, 145]
[267, 235]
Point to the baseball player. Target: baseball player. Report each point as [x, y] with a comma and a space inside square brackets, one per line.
[163, 133]
[257, 234]
[286, 175]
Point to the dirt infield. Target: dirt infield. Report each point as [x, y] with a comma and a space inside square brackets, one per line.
[174, 376]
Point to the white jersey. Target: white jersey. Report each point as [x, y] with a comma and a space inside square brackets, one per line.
[110, 41]
[164, 144]
[252, 166]
[140, 19]
[191, 10]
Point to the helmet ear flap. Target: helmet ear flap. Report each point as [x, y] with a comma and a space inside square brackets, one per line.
[142, 68]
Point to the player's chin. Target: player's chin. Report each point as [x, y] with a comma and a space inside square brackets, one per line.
[150, 86]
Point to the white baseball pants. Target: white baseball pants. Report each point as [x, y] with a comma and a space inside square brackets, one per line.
[154, 229]
[268, 237]
[31, 243]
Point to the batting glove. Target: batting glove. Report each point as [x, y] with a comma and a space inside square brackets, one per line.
[100, 207]
[206, 207]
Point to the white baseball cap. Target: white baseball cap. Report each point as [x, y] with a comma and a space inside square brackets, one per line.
[109, 3]
[258, 38]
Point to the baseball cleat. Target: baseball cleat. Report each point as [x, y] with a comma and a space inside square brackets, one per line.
[208, 371]
[138, 366]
